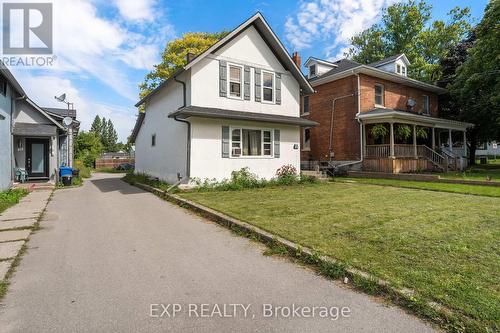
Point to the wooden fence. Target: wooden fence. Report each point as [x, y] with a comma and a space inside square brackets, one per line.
[112, 162]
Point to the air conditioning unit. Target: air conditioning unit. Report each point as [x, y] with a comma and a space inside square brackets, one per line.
[236, 152]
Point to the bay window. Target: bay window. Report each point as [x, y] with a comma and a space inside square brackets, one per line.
[251, 142]
[268, 87]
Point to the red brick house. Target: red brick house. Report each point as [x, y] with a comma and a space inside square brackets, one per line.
[376, 118]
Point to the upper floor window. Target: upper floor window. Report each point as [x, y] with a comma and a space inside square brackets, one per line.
[398, 69]
[425, 107]
[268, 87]
[312, 70]
[235, 79]
[305, 105]
[379, 95]
[3, 86]
[153, 140]
[306, 138]
[403, 70]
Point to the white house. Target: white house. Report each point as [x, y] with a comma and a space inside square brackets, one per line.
[235, 105]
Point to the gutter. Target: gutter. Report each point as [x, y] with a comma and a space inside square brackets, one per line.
[188, 144]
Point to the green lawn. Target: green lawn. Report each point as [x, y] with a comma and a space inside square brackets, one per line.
[444, 245]
[491, 191]
[10, 198]
[480, 172]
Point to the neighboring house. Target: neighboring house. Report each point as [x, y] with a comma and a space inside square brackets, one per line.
[236, 105]
[32, 138]
[352, 98]
[488, 149]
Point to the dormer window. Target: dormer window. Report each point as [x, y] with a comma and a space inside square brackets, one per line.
[398, 69]
[403, 70]
[312, 71]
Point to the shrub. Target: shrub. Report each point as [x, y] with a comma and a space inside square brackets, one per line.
[287, 175]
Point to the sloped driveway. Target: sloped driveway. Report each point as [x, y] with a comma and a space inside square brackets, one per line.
[109, 254]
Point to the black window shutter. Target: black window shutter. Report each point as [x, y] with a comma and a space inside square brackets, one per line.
[278, 88]
[276, 143]
[222, 78]
[257, 85]
[225, 141]
[246, 80]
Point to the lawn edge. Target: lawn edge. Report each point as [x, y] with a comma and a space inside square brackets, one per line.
[329, 267]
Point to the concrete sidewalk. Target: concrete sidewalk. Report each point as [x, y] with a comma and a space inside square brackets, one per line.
[108, 252]
[15, 226]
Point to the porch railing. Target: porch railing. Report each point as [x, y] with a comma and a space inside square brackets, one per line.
[400, 150]
[378, 151]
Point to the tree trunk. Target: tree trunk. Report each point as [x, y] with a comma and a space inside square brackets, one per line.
[473, 145]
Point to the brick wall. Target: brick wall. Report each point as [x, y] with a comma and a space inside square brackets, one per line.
[395, 95]
[346, 138]
[345, 141]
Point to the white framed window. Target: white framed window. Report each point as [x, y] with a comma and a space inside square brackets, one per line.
[379, 94]
[268, 87]
[425, 106]
[306, 138]
[312, 70]
[305, 105]
[398, 69]
[251, 142]
[235, 82]
[403, 68]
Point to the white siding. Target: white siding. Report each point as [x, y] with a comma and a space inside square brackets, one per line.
[246, 49]
[206, 153]
[168, 157]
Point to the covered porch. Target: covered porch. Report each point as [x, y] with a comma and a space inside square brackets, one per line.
[398, 141]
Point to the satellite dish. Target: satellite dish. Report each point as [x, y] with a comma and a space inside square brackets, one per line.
[411, 103]
[67, 121]
[61, 98]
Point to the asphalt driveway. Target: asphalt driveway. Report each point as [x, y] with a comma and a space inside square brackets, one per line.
[111, 258]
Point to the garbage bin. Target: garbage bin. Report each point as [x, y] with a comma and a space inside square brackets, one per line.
[66, 180]
[76, 172]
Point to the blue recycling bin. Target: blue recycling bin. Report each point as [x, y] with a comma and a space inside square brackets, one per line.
[65, 171]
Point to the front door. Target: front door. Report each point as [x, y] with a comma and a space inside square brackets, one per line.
[37, 158]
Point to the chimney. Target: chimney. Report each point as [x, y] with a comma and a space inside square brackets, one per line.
[190, 56]
[296, 59]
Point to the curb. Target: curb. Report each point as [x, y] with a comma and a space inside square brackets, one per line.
[330, 267]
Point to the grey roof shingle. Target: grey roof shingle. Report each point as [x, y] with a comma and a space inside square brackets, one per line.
[196, 111]
[60, 112]
[342, 65]
[34, 129]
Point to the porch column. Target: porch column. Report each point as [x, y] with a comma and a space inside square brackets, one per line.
[450, 141]
[392, 139]
[363, 140]
[433, 139]
[415, 152]
[465, 143]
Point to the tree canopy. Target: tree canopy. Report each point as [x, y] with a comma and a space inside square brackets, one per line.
[175, 56]
[105, 131]
[407, 28]
[88, 147]
[475, 86]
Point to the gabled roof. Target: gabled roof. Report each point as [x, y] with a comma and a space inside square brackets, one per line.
[342, 65]
[59, 112]
[267, 34]
[321, 61]
[390, 59]
[39, 109]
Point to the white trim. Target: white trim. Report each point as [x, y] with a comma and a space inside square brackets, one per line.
[242, 88]
[262, 130]
[262, 87]
[375, 95]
